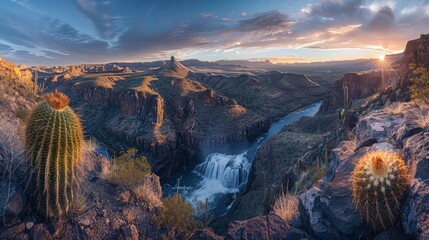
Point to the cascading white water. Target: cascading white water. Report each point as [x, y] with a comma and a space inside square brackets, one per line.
[231, 170]
[220, 175]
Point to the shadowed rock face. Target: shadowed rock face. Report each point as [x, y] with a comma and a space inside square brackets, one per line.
[359, 86]
[416, 51]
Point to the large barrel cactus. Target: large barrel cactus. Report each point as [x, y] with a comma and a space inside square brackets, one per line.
[380, 182]
[53, 145]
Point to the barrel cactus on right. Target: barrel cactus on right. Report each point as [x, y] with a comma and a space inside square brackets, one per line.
[54, 140]
[380, 183]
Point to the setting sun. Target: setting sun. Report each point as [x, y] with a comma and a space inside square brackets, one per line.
[381, 57]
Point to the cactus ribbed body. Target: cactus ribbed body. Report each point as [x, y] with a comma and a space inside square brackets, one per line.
[380, 182]
[54, 141]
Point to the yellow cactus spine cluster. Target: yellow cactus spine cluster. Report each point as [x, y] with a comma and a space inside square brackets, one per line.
[380, 182]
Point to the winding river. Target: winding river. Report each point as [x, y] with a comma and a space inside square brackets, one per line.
[221, 176]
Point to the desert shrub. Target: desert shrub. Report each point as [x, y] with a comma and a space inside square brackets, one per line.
[423, 118]
[419, 83]
[177, 216]
[286, 206]
[128, 170]
[133, 175]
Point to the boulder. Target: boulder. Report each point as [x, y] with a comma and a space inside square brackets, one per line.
[314, 219]
[417, 156]
[377, 126]
[336, 199]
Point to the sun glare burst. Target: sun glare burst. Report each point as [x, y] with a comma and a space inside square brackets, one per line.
[381, 57]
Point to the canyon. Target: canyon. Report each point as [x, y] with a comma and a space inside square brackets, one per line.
[178, 114]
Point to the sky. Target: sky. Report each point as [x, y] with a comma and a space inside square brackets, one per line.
[65, 32]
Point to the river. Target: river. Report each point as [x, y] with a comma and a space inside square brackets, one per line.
[221, 176]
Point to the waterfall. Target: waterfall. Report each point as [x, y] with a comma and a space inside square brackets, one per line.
[230, 170]
[221, 176]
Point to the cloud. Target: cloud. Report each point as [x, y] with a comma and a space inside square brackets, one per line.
[383, 20]
[5, 49]
[100, 17]
[327, 24]
[354, 24]
[270, 22]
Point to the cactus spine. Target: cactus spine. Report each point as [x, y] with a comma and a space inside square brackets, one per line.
[380, 182]
[53, 145]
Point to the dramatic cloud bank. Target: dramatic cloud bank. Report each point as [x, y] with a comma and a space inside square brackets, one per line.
[89, 31]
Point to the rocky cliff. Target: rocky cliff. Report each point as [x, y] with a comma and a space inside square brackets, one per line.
[417, 52]
[392, 75]
[359, 86]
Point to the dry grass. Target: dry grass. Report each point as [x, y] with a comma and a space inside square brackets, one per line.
[286, 206]
[423, 118]
[148, 194]
[79, 204]
[89, 160]
[395, 108]
[13, 165]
